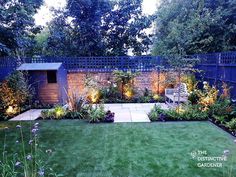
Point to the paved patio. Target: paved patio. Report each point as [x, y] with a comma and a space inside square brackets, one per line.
[124, 112]
[132, 112]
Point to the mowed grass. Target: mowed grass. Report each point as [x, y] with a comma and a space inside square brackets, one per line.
[130, 149]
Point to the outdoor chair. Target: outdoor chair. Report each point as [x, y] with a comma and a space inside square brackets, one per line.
[171, 95]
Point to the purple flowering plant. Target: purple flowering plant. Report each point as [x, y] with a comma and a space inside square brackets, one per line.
[27, 158]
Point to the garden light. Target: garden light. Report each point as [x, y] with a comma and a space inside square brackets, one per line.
[10, 110]
[94, 95]
[128, 94]
[156, 97]
[180, 110]
[59, 112]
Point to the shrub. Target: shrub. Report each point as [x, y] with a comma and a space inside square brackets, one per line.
[58, 112]
[207, 96]
[225, 91]
[193, 112]
[172, 114]
[93, 87]
[15, 94]
[96, 114]
[190, 81]
[232, 125]
[109, 117]
[149, 97]
[76, 102]
[74, 115]
[183, 112]
[111, 93]
[233, 112]
[156, 114]
[221, 110]
[77, 107]
[47, 114]
[158, 98]
[220, 119]
[193, 97]
[125, 82]
[144, 99]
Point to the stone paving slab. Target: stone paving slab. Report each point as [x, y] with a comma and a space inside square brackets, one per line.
[139, 116]
[123, 116]
[31, 114]
[131, 105]
[133, 112]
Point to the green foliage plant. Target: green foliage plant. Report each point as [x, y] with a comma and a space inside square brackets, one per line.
[232, 125]
[28, 158]
[15, 93]
[155, 113]
[58, 112]
[125, 81]
[96, 113]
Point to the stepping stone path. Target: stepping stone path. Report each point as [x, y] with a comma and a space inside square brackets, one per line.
[126, 112]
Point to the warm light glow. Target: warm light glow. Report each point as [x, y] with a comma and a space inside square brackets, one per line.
[158, 82]
[180, 110]
[128, 92]
[207, 101]
[59, 112]
[10, 110]
[94, 95]
[156, 97]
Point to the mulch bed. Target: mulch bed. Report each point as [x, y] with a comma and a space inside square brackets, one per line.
[221, 126]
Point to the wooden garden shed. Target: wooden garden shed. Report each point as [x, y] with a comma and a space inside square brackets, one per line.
[49, 81]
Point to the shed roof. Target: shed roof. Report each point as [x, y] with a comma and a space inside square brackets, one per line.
[39, 66]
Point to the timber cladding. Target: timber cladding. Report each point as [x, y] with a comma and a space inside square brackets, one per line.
[49, 93]
[46, 92]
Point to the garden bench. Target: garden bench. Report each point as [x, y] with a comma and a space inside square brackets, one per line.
[171, 95]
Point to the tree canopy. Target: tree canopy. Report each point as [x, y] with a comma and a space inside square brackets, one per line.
[100, 28]
[112, 28]
[17, 26]
[195, 26]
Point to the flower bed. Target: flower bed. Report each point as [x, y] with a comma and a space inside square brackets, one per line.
[203, 104]
[183, 113]
[79, 109]
[119, 90]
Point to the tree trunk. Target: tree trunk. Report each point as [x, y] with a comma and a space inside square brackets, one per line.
[179, 75]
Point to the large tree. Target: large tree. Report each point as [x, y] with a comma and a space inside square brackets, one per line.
[124, 28]
[81, 35]
[17, 26]
[99, 28]
[193, 26]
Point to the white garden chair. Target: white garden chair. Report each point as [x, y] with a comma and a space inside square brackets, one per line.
[171, 95]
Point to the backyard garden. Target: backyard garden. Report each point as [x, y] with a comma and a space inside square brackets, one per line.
[93, 92]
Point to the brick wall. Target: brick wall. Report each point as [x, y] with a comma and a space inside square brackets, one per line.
[76, 81]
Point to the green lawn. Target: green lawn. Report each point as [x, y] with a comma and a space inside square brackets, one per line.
[131, 149]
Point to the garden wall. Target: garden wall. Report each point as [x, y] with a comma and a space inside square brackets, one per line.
[216, 67]
[76, 81]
